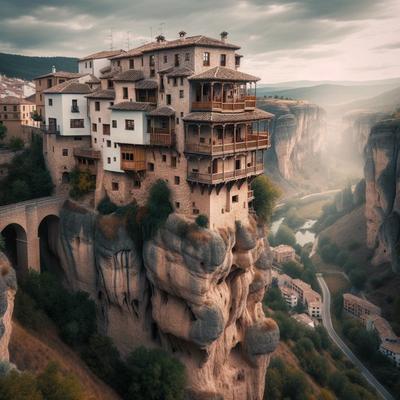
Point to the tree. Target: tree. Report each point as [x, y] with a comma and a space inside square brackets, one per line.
[16, 144]
[293, 269]
[155, 375]
[20, 191]
[358, 277]
[81, 183]
[265, 196]
[202, 221]
[19, 386]
[106, 206]
[285, 235]
[3, 131]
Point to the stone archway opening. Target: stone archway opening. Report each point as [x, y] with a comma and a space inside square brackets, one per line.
[16, 247]
[49, 238]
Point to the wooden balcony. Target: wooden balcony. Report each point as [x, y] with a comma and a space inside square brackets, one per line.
[226, 176]
[251, 142]
[246, 103]
[133, 158]
[162, 137]
[87, 153]
[51, 129]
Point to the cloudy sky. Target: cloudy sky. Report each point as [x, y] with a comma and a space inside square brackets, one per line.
[281, 40]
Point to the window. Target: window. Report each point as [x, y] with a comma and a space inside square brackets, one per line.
[115, 145]
[165, 59]
[130, 124]
[95, 140]
[65, 152]
[106, 129]
[175, 81]
[152, 73]
[206, 58]
[237, 61]
[97, 106]
[94, 127]
[76, 123]
[90, 64]
[110, 84]
[131, 63]
[50, 102]
[108, 143]
[141, 59]
[176, 60]
[168, 99]
[124, 92]
[237, 164]
[164, 158]
[173, 161]
[177, 180]
[119, 63]
[136, 183]
[187, 57]
[150, 166]
[235, 199]
[177, 204]
[127, 156]
[222, 61]
[181, 80]
[196, 211]
[108, 160]
[49, 83]
[115, 186]
[181, 94]
[151, 60]
[74, 106]
[114, 123]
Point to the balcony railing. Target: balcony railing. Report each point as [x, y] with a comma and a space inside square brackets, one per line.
[249, 143]
[51, 129]
[161, 138]
[87, 153]
[245, 103]
[74, 109]
[128, 165]
[219, 177]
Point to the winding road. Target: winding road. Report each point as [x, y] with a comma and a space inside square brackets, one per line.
[327, 322]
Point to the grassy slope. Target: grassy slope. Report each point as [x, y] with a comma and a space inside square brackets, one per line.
[33, 351]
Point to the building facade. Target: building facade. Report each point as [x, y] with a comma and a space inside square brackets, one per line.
[175, 110]
[283, 253]
[359, 308]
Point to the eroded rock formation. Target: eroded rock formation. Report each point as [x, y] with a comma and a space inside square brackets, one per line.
[382, 176]
[296, 132]
[8, 288]
[195, 292]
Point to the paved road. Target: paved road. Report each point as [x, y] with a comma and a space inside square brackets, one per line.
[327, 322]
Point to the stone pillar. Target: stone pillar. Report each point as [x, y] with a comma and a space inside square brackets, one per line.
[33, 247]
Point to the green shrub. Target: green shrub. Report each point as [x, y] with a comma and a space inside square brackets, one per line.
[155, 375]
[342, 257]
[265, 196]
[358, 278]
[285, 235]
[329, 252]
[293, 269]
[3, 131]
[81, 183]
[353, 246]
[106, 206]
[16, 144]
[293, 220]
[202, 221]
[274, 300]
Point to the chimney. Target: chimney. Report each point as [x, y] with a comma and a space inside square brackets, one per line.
[182, 34]
[160, 38]
[224, 36]
[53, 69]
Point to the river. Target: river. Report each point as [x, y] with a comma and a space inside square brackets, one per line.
[303, 235]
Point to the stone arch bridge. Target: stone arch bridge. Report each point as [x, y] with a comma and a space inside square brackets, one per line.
[22, 225]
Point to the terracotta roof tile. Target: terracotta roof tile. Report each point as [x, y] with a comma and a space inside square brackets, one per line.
[15, 100]
[224, 74]
[107, 94]
[132, 106]
[130, 75]
[255, 115]
[164, 111]
[102, 54]
[146, 84]
[72, 86]
[60, 74]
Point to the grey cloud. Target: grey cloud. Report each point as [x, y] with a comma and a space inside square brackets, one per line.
[389, 46]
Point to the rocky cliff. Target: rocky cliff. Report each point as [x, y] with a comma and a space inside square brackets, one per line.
[8, 288]
[296, 135]
[382, 176]
[194, 292]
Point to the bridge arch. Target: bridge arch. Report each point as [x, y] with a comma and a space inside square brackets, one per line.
[16, 247]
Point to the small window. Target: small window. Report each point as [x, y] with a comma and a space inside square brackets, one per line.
[177, 180]
[151, 60]
[152, 73]
[173, 161]
[108, 143]
[150, 166]
[187, 57]
[176, 60]
[76, 123]
[181, 94]
[97, 106]
[106, 129]
[177, 204]
[65, 152]
[237, 61]
[95, 140]
[115, 145]
[136, 183]
[175, 81]
[94, 127]
[206, 58]
[235, 199]
[164, 158]
[168, 99]
[125, 92]
[108, 160]
[130, 124]
[131, 63]
[114, 123]
[50, 102]
[115, 186]
[177, 121]
[165, 59]
[196, 211]
[223, 60]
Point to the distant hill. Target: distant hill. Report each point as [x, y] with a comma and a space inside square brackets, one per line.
[330, 94]
[16, 66]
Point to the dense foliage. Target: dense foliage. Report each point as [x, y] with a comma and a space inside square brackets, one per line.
[265, 196]
[284, 235]
[106, 206]
[202, 221]
[3, 131]
[51, 384]
[81, 183]
[28, 177]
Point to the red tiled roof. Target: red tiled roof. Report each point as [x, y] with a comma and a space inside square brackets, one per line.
[224, 74]
[132, 106]
[102, 54]
[255, 115]
[73, 86]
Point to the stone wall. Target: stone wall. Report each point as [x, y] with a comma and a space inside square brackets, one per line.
[194, 292]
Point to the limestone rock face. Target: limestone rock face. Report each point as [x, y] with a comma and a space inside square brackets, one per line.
[296, 134]
[382, 177]
[8, 288]
[195, 292]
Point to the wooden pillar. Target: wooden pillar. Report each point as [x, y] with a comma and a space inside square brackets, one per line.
[234, 137]
[212, 92]
[223, 168]
[201, 92]
[223, 138]
[212, 138]
[258, 132]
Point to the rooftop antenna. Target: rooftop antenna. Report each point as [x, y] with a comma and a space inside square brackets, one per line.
[151, 33]
[128, 39]
[110, 38]
[161, 28]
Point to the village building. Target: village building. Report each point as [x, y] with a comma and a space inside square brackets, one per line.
[358, 307]
[175, 110]
[283, 253]
[304, 319]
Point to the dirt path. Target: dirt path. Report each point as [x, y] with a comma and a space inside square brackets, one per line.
[32, 351]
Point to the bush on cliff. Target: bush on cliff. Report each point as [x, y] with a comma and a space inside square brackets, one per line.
[202, 221]
[81, 183]
[155, 375]
[106, 206]
[265, 196]
[28, 177]
[284, 235]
